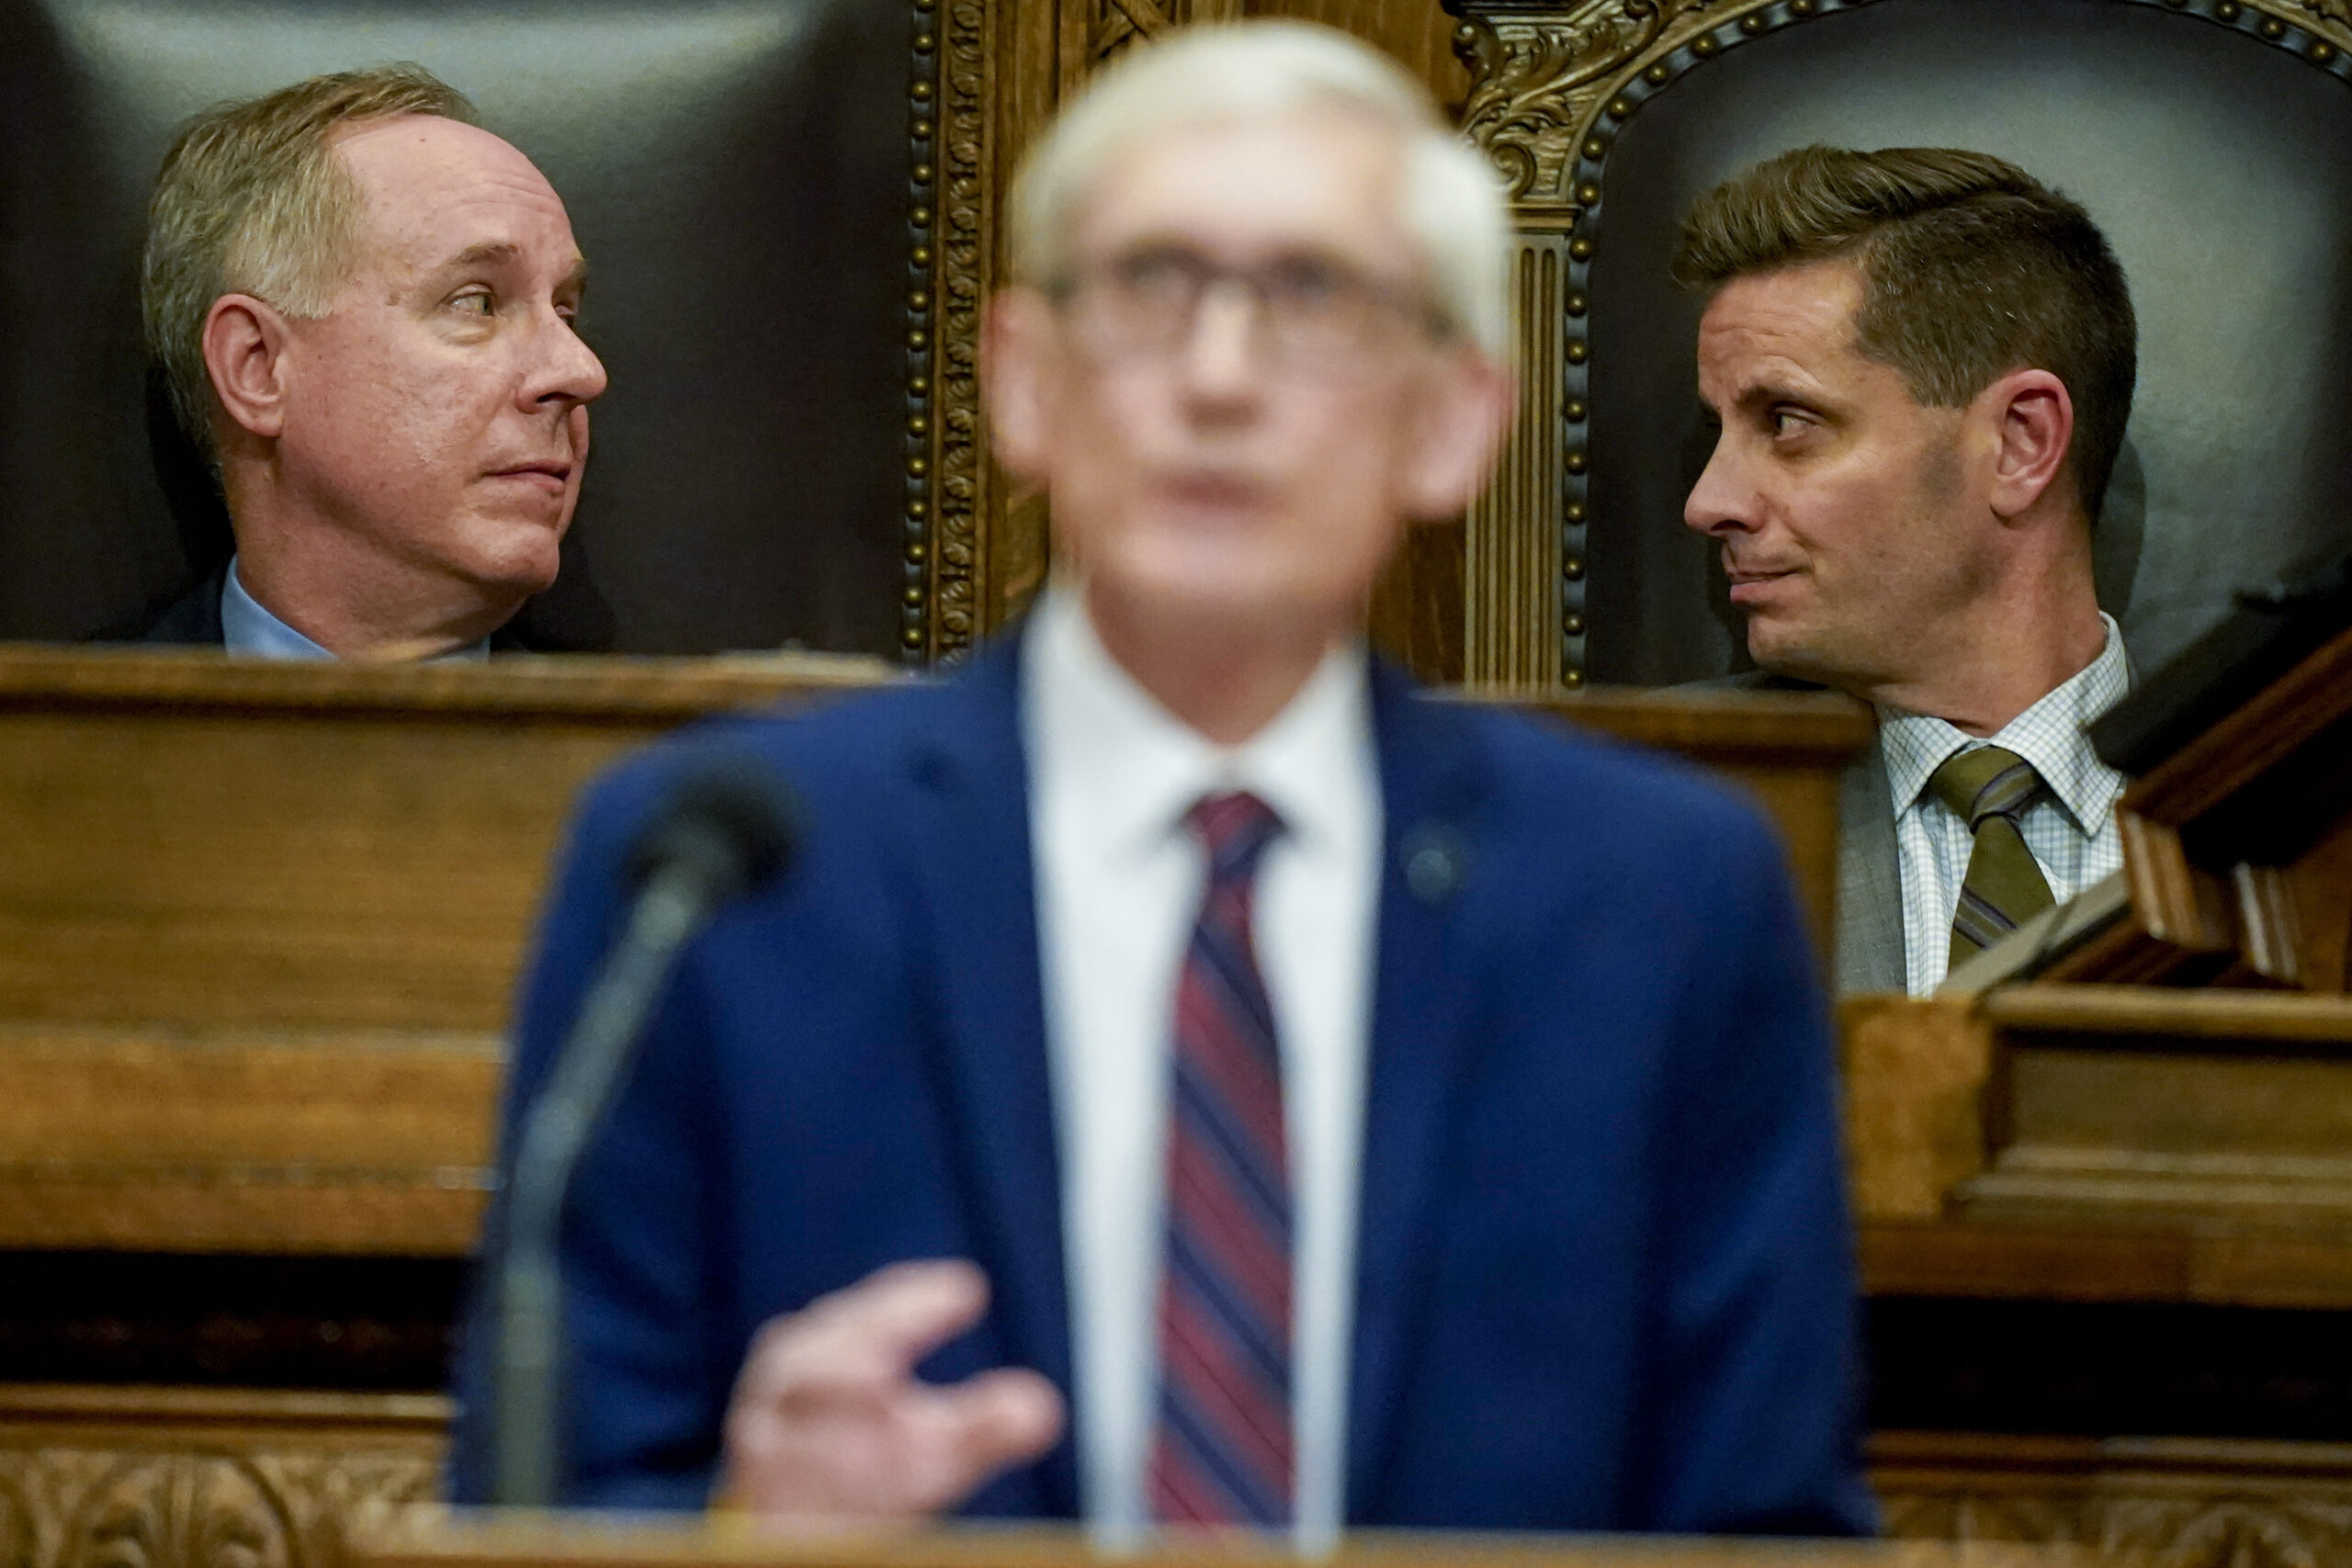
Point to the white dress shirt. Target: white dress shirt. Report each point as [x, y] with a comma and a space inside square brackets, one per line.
[1119, 878]
[2070, 828]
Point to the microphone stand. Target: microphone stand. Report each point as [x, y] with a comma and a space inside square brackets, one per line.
[673, 903]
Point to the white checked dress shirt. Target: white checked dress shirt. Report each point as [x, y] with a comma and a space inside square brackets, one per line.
[1119, 879]
[2071, 829]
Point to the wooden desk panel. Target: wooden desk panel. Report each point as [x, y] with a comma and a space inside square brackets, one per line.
[1788, 750]
[220, 869]
[193, 1141]
[206, 843]
[210, 842]
[260, 923]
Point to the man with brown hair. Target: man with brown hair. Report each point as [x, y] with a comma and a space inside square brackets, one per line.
[1922, 361]
[365, 306]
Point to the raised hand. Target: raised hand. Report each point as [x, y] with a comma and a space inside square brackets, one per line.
[829, 1426]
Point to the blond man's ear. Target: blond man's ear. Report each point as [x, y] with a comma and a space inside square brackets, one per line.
[244, 354]
[1465, 415]
[1017, 338]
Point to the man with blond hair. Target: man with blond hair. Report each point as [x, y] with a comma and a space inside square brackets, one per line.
[1922, 361]
[366, 309]
[1189, 1080]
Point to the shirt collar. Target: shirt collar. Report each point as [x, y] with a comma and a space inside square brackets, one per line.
[2049, 734]
[248, 628]
[1141, 769]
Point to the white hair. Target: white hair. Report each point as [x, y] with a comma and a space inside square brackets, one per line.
[1449, 198]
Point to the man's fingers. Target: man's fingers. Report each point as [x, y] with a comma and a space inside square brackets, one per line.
[985, 1424]
[828, 1420]
[1007, 1415]
[908, 1310]
[875, 1330]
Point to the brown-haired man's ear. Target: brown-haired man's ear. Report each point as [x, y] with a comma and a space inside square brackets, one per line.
[2034, 428]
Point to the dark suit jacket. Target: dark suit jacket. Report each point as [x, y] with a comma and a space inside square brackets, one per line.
[1604, 1275]
[191, 620]
[1870, 878]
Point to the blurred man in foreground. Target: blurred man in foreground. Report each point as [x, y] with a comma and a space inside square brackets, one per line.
[1189, 1079]
[364, 305]
[1922, 361]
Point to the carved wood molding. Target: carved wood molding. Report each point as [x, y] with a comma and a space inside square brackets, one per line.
[2170, 1503]
[1552, 82]
[949, 491]
[107, 1478]
[2160, 1531]
[1120, 23]
[975, 549]
[1538, 77]
[1115, 25]
[190, 1478]
[196, 1508]
[1543, 73]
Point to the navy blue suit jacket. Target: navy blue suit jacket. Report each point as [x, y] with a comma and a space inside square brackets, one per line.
[1604, 1276]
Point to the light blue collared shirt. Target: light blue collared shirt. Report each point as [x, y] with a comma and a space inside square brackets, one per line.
[252, 632]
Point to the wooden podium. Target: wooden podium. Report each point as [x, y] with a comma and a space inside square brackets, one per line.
[432, 1538]
[260, 923]
[259, 926]
[2238, 847]
[2186, 1073]
[259, 929]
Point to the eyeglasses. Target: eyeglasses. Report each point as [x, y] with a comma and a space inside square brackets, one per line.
[1309, 312]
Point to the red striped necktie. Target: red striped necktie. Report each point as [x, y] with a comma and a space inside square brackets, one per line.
[1221, 1451]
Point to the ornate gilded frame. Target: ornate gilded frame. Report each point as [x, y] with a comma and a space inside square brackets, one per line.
[950, 268]
[1553, 84]
[986, 75]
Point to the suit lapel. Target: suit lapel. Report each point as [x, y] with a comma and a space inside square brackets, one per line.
[1870, 880]
[972, 864]
[1870, 876]
[1419, 1038]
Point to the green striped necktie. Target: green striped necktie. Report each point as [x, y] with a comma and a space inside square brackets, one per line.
[1990, 789]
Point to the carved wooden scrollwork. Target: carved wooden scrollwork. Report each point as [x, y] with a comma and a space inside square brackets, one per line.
[2166, 1531]
[181, 1511]
[19, 1546]
[1542, 75]
[199, 1506]
[956, 542]
[974, 552]
[104, 1478]
[1537, 79]
[1116, 25]
[2338, 12]
[1119, 23]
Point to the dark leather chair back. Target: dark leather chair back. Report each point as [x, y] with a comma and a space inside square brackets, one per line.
[737, 174]
[2219, 161]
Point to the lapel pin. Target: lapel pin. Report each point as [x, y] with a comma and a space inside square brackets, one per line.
[1435, 860]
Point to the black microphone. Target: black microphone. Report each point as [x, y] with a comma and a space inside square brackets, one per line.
[728, 828]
